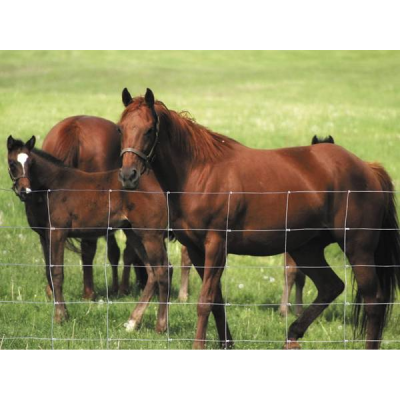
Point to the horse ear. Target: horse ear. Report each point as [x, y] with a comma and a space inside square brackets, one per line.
[10, 143]
[30, 144]
[314, 140]
[126, 97]
[330, 139]
[149, 98]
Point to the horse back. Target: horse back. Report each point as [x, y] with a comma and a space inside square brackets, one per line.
[89, 143]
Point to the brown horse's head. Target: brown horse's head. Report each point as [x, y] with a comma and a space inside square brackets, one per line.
[19, 161]
[139, 125]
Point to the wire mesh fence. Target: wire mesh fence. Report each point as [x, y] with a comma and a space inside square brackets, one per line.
[251, 309]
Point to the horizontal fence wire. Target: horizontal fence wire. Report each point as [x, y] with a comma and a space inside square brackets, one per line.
[228, 230]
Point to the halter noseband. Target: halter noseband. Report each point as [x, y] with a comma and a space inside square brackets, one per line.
[147, 159]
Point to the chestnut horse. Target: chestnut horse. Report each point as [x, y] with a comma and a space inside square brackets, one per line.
[224, 197]
[81, 204]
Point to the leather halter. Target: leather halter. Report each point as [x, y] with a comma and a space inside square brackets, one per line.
[15, 180]
[147, 159]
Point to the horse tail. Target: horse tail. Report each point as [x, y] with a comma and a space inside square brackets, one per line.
[67, 145]
[71, 245]
[387, 254]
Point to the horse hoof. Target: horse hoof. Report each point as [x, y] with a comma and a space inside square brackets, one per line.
[283, 312]
[292, 345]
[60, 316]
[114, 290]
[183, 298]
[227, 345]
[131, 325]
[90, 295]
[198, 345]
[161, 328]
[123, 291]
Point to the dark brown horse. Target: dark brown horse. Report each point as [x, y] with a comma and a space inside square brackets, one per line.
[80, 205]
[92, 145]
[224, 197]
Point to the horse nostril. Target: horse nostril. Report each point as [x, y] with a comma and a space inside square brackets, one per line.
[133, 175]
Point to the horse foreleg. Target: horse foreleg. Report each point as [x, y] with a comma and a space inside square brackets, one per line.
[210, 295]
[88, 248]
[147, 294]
[57, 244]
[113, 253]
[45, 248]
[186, 265]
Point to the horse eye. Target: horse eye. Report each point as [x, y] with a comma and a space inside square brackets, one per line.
[149, 131]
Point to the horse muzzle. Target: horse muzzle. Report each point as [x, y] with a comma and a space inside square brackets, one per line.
[23, 193]
[129, 177]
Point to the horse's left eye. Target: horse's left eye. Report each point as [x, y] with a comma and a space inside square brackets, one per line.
[149, 131]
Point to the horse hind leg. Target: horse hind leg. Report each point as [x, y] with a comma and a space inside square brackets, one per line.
[329, 286]
[186, 265]
[300, 281]
[370, 292]
[289, 276]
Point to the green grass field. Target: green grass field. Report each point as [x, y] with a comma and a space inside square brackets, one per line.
[262, 99]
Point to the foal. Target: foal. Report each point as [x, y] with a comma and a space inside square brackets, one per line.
[79, 205]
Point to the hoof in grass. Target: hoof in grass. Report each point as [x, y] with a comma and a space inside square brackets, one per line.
[131, 325]
[292, 345]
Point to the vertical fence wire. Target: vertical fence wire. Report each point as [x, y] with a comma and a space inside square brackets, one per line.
[169, 270]
[226, 303]
[50, 268]
[109, 229]
[286, 268]
[345, 265]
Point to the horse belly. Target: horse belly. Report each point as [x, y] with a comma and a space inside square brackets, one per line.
[266, 243]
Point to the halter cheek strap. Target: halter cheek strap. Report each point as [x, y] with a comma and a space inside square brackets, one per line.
[15, 180]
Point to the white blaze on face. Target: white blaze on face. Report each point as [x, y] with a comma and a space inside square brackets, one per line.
[21, 158]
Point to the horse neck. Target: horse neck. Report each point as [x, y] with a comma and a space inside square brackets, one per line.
[45, 174]
[171, 168]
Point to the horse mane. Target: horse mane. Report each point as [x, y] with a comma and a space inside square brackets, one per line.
[199, 142]
[49, 157]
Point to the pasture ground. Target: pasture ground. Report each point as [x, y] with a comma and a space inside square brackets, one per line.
[264, 100]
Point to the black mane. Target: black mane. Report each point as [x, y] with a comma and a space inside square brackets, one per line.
[49, 157]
